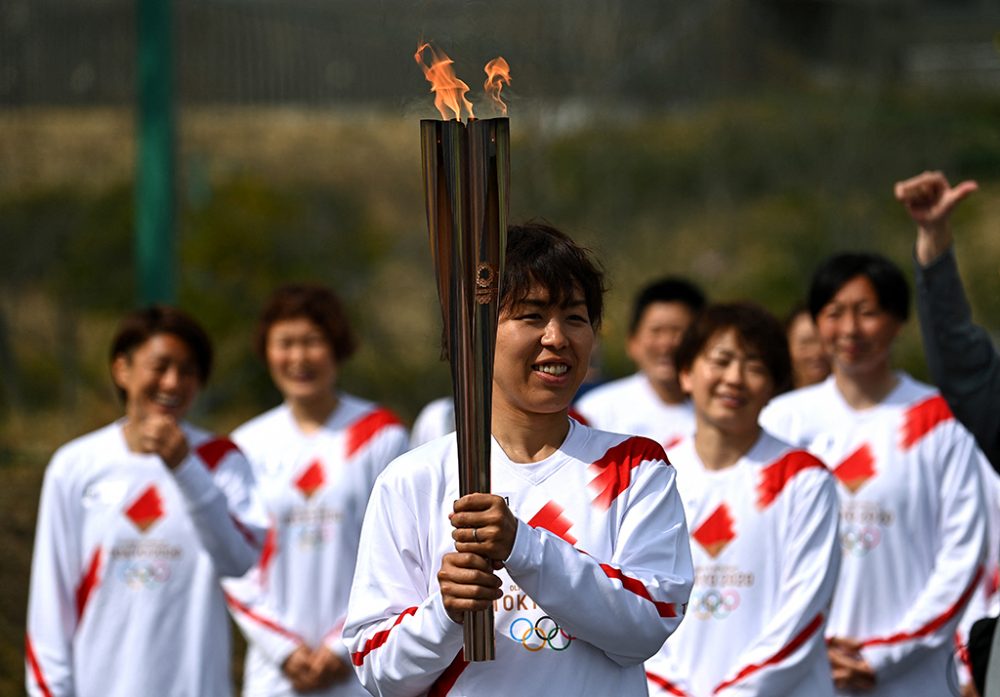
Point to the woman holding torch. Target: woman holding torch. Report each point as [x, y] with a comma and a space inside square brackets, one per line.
[316, 455]
[581, 549]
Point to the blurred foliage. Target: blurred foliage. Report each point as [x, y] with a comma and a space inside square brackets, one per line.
[743, 195]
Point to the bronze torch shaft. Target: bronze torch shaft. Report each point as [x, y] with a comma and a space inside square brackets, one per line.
[466, 184]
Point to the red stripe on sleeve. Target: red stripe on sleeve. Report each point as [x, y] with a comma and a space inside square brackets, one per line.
[775, 476]
[268, 551]
[962, 651]
[634, 585]
[614, 469]
[935, 623]
[260, 619]
[247, 535]
[662, 682]
[442, 686]
[921, 418]
[87, 584]
[781, 655]
[362, 430]
[379, 638]
[211, 452]
[36, 668]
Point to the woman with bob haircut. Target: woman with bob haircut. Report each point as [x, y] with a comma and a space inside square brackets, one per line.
[317, 455]
[137, 523]
[581, 549]
[763, 522]
[912, 517]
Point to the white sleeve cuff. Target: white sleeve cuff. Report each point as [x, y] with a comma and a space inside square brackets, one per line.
[524, 555]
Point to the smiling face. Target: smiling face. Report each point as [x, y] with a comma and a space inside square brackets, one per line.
[653, 344]
[729, 385]
[300, 360]
[542, 353]
[856, 332]
[160, 376]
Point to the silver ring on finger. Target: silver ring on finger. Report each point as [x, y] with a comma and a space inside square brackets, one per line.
[475, 535]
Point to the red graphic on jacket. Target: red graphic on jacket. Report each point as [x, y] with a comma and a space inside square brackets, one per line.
[147, 509]
[856, 469]
[715, 534]
[311, 479]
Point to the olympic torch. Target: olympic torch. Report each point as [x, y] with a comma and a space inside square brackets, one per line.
[466, 170]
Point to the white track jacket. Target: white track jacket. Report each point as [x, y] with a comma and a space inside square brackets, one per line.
[598, 578]
[125, 597]
[912, 523]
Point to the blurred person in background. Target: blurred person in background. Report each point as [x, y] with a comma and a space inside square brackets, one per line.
[581, 549]
[651, 402]
[762, 517]
[137, 522]
[316, 456]
[809, 362]
[435, 420]
[913, 532]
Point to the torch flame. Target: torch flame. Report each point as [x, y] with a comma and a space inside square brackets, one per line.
[497, 75]
[449, 91]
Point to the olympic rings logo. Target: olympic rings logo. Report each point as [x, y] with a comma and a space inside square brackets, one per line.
[714, 604]
[859, 541]
[544, 632]
[140, 575]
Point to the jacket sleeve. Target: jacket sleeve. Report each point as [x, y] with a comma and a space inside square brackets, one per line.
[786, 649]
[962, 359]
[61, 576]
[249, 606]
[224, 505]
[399, 635]
[645, 584]
[932, 619]
[391, 441]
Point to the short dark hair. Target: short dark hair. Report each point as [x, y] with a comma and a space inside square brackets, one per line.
[888, 280]
[755, 328]
[314, 302]
[799, 308]
[539, 253]
[671, 289]
[139, 326]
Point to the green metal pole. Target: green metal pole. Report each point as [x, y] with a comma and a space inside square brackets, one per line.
[154, 192]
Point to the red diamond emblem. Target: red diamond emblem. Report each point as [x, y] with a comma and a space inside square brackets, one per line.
[716, 532]
[856, 469]
[147, 509]
[311, 479]
[551, 518]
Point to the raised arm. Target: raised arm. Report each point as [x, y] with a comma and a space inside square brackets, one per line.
[224, 505]
[962, 359]
[930, 199]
